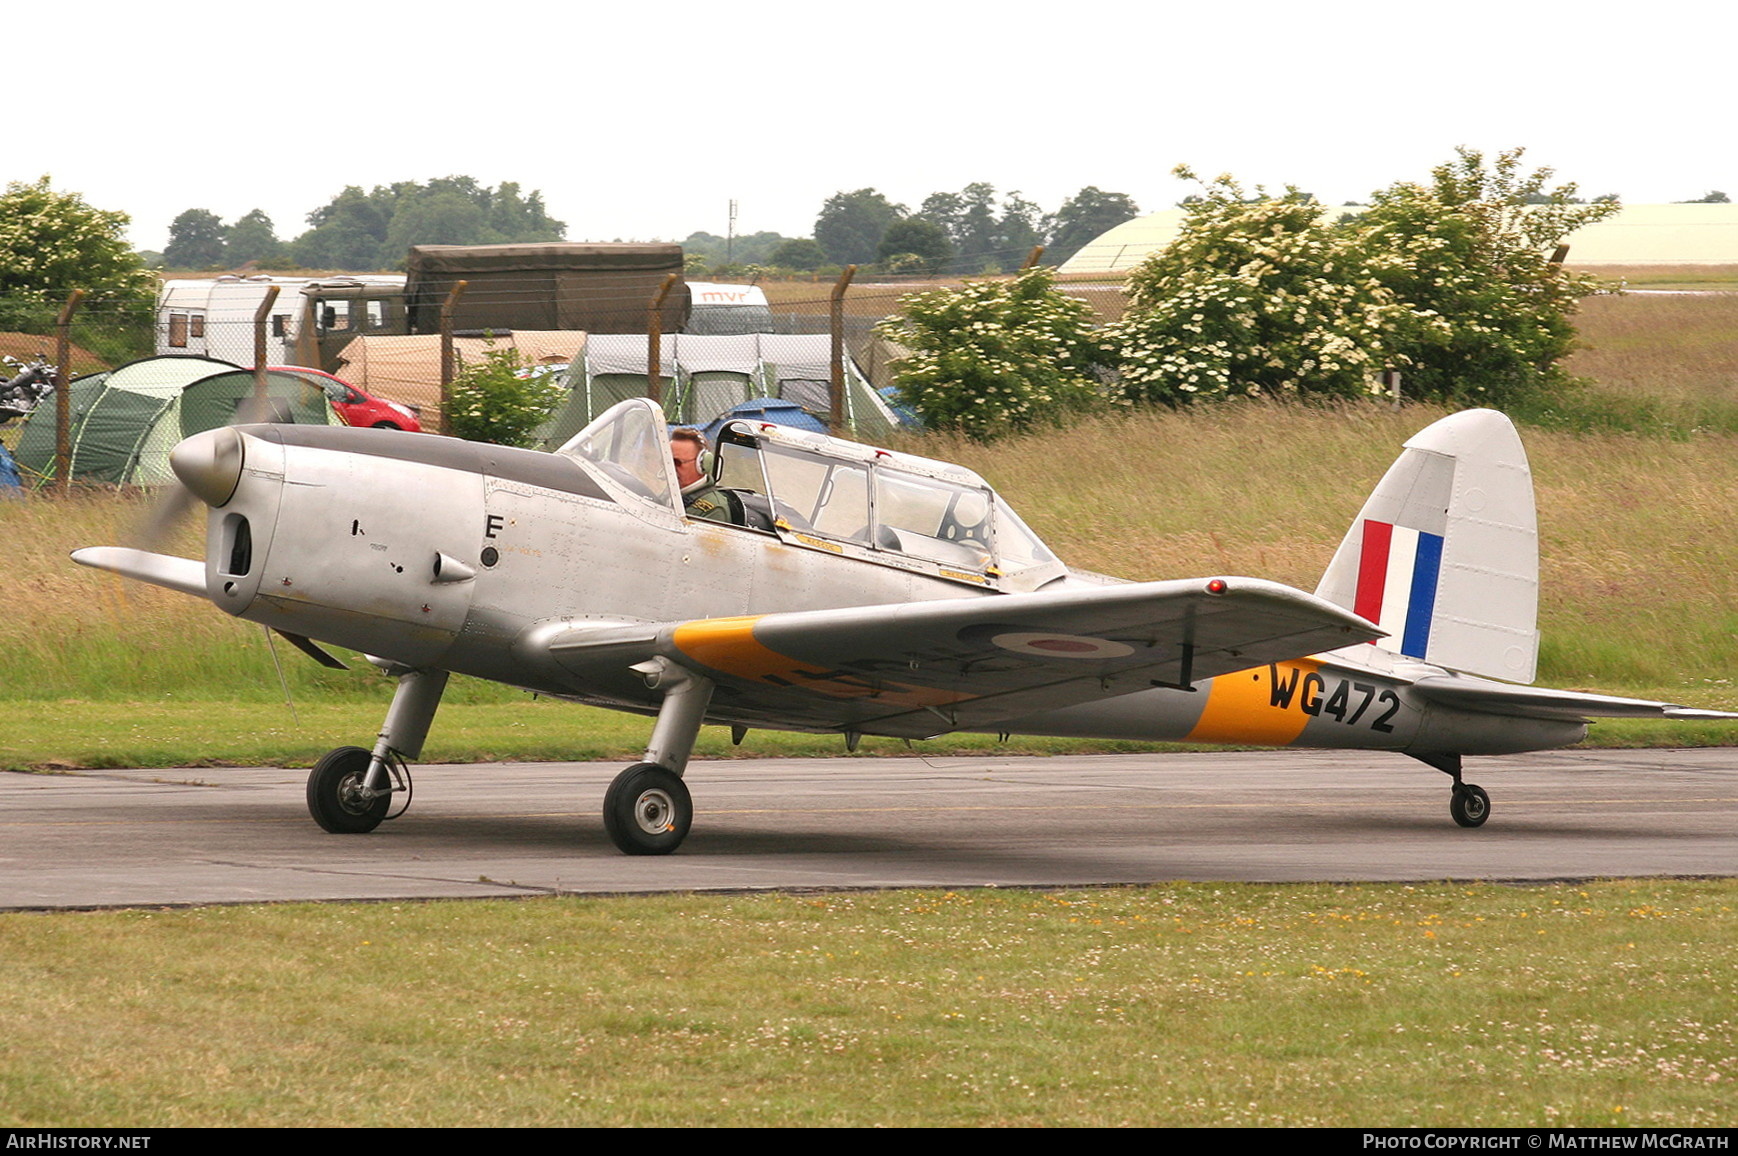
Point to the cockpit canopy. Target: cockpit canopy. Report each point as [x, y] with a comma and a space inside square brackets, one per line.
[823, 493]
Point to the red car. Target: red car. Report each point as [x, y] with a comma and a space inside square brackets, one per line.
[354, 406]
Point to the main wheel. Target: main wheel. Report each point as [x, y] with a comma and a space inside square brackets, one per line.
[335, 793]
[1469, 805]
[647, 810]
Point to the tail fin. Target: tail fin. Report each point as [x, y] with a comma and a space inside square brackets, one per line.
[1445, 554]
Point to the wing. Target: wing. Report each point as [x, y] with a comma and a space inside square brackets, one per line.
[923, 668]
[1477, 694]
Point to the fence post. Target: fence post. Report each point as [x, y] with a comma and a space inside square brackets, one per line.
[836, 326]
[1391, 384]
[259, 352]
[307, 340]
[447, 308]
[655, 340]
[62, 395]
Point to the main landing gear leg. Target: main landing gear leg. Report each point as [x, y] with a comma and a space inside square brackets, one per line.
[647, 810]
[1469, 805]
[350, 789]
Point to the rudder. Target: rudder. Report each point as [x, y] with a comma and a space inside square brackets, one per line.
[1444, 555]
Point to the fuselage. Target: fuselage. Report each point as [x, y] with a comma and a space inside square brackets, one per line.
[432, 552]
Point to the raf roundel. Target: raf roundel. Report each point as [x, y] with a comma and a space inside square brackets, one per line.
[1062, 645]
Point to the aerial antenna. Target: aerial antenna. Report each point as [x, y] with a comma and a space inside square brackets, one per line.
[730, 234]
[282, 681]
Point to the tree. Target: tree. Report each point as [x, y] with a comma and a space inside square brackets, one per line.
[195, 240]
[252, 238]
[372, 230]
[1019, 231]
[1716, 197]
[801, 254]
[724, 252]
[1083, 218]
[52, 243]
[343, 243]
[444, 218]
[851, 225]
[349, 232]
[995, 357]
[521, 218]
[969, 219]
[916, 243]
[985, 238]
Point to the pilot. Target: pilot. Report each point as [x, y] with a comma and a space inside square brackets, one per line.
[700, 497]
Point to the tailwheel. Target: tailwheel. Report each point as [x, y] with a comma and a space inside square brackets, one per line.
[647, 810]
[337, 797]
[1469, 805]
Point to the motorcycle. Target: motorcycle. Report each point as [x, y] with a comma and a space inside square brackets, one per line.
[26, 389]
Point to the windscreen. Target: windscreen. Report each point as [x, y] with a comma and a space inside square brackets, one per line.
[632, 445]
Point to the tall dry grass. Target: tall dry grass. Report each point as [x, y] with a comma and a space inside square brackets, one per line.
[1695, 277]
[1638, 570]
[1638, 560]
[70, 632]
[1678, 348]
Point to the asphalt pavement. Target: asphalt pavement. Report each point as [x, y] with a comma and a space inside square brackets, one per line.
[230, 835]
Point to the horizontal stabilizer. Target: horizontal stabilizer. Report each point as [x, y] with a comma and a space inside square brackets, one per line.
[1476, 694]
[183, 574]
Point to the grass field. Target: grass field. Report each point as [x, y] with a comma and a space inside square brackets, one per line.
[1599, 1004]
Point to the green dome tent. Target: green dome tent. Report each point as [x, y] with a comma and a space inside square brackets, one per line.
[126, 420]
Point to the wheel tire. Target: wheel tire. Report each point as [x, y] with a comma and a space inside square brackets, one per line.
[647, 810]
[1469, 805]
[386, 425]
[331, 793]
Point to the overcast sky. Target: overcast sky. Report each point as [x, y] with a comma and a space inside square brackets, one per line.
[644, 126]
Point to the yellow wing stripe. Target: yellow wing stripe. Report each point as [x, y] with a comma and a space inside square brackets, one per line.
[1240, 708]
[729, 645]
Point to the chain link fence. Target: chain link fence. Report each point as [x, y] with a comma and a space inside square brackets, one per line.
[361, 330]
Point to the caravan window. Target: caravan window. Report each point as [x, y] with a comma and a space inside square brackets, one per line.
[178, 331]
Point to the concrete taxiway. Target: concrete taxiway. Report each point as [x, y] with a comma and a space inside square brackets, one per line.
[227, 835]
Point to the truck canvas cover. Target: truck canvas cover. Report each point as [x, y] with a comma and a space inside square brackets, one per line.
[603, 288]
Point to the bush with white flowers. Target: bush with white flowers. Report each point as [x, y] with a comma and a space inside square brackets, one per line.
[996, 357]
[1450, 283]
[1255, 296]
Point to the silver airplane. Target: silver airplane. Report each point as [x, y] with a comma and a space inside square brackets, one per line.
[858, 591]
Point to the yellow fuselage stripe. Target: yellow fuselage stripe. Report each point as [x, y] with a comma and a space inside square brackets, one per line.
[1240, 708]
